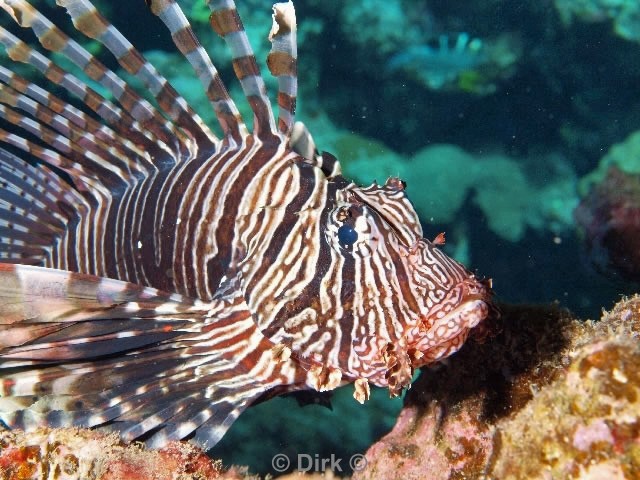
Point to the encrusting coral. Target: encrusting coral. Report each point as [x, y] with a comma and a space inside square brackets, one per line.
[548, 397]
[80, 454]
[609, 219]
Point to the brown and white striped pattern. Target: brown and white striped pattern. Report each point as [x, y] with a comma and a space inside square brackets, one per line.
[160, 279]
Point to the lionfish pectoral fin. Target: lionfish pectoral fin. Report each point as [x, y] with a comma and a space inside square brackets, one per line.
[80, 350]
[49, 315]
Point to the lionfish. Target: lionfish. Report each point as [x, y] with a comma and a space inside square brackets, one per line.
[157, 279]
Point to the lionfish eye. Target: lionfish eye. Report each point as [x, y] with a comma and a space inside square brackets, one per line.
[351, 231]
[347, 236]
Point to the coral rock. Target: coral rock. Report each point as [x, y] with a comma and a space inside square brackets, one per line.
[69, 454]
[547, 397]
[609, 217]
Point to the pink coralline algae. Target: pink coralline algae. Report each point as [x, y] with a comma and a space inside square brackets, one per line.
[609, 217]
[77, 454]
[548, 397]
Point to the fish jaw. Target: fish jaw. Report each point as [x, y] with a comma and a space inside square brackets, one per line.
[437, 335]
[442, 333]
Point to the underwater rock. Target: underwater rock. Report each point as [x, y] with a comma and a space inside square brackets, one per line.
[69, 453]
[547, 397]
[609, 218]
[625, 156]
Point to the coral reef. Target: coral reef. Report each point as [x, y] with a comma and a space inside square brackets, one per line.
[624, 156]
[70, 454]
[547, 397]
[625, 14]
[609, 217]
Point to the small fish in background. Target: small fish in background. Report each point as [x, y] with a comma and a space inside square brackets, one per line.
[442, 64]
[460, 63]
[158, 279]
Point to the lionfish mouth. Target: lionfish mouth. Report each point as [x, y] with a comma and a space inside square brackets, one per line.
[443, 332]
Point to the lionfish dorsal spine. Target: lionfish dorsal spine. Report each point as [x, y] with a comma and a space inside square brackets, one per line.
[123, 122]
[226, 22]
[227, 113]
[283, 63]
[53, 39]
[69, 120]
[91, 23]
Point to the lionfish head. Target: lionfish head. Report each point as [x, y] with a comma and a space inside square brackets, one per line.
[406, 302]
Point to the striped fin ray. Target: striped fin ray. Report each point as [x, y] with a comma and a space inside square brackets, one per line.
[90, 22]
[167, 408]
[226, 111]
[209, 418]
[51, 316]
[172, 408]
[83, 165]
[36, 96]
[98, 183]
[53, 39]
[45, 295]
[47, 155]
[86, 351]
[31, 201]
[119, 119]
[80, 145]
[226, 22]
[282, 63]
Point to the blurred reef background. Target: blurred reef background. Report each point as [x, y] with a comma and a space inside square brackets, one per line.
[516, 125]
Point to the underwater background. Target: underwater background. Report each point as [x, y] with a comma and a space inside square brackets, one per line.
[516, 125]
